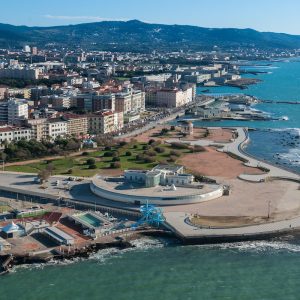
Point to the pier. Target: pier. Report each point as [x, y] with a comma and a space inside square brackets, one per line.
[280, 102]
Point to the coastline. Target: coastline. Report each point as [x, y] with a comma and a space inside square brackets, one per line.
[123, 242]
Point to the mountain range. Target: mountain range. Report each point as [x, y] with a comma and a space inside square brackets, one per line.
[135, 35]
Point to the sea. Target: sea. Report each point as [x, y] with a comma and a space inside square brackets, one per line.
[163, 268]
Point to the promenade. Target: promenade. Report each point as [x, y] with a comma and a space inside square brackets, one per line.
[236, 147]
[178, 221]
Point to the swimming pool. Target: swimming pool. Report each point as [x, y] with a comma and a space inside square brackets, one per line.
[90, 219]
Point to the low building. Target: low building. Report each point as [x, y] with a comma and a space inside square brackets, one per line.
[59, 236]
[160, 175]
[4, 245]
[12, 230]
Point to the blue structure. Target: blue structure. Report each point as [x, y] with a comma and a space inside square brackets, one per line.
[151, 215]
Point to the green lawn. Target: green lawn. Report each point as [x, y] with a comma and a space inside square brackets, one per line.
[80, 168]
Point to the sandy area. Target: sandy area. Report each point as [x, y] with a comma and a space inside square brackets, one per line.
[152, 134]
[216, 164]
[222, 135]
[214, 134]
[250, 199]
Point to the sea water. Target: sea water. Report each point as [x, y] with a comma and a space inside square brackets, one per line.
[276, 141]
[161, 269]
[266, 270]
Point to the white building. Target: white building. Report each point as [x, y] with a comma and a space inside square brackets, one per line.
[170, 98]
[42, 129]
[57, 128]
[10, 133]
[17, 109]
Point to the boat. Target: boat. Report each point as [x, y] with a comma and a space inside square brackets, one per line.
[205, 91]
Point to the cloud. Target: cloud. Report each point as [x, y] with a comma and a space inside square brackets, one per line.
[82, 18]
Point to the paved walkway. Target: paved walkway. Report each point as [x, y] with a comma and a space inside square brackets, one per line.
[176, 221]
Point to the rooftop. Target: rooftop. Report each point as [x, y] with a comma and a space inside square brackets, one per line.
[135, 189]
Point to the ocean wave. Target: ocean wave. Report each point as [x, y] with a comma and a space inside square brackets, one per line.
[102, 255]
[293, 130]
[257, 246]
[292, 156]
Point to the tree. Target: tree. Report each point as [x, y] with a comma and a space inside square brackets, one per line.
[43, 175]
[115, 165]
[90, 161]
[50, 168]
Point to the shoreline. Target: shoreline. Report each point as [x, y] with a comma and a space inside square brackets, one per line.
[10, 261]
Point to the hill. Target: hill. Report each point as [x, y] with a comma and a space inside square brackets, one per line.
[140, 36]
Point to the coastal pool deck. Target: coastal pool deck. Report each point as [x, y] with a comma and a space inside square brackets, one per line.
[87, 217]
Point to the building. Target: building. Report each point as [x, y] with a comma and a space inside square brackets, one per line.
[76, 124]
[59, 236]
[4, 245]
[56, 127]
[13, 111]
[39, 128]
[170, 98]
[103, 101]
[10, 133]
[3, 113]
[12, 230]
[17, 110]
[55, 101]
[123, 102]
[34, 51]
[105, 122]
[160, 175]
[26, 49]
[24, 93]
[130, 101]
[27, 74]
[3, 92]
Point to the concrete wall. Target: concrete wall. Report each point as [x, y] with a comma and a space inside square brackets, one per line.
[180, 200]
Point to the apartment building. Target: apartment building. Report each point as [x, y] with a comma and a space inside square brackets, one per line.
[123, 102]
[56, 128]
[43, 129]
[170, 98]
[105, 122]
[103, 102]
[130, 101]
[30, 74]
[13, 111]
[17, 109]
[76, 124]
[11, 133]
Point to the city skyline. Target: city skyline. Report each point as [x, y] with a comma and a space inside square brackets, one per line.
[232, 14]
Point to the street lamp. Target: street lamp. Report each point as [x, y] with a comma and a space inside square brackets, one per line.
[269, 208]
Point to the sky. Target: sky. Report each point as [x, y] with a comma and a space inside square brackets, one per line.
[262, 15]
